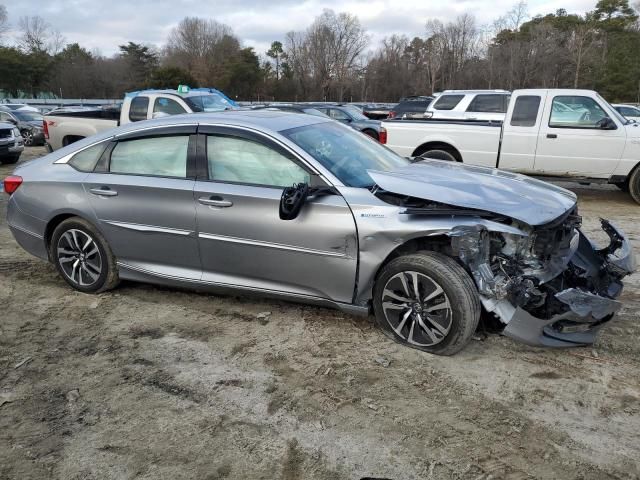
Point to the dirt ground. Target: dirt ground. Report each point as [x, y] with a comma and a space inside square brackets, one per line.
[154, 383]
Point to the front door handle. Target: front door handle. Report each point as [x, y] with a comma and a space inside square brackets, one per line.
[215, 201]
[104, 192]
[552, 135]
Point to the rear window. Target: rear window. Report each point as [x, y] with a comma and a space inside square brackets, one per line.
[489, 103]
[447, 102]
[138, 109]
[525, 111]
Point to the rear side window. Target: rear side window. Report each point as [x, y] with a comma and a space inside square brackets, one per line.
[168, 106]
[156, 156]
[525, 111]
[489, 103]
[87, 159]
[138, 109]
[447, 102]
[628, 111]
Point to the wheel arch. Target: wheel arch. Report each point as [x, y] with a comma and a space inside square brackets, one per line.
[56, 220]
[437, 145]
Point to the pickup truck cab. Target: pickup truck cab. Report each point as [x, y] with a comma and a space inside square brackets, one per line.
[65, 127]
[559, 133]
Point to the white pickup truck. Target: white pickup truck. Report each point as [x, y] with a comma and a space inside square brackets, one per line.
[569, 134]
[67, 126]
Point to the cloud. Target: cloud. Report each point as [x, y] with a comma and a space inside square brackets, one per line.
[106, 24]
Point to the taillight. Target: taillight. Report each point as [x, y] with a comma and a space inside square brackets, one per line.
[11, 183]
[45, 129]
[392, 114]
[382, 136]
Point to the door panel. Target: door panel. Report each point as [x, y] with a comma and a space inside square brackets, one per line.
[572, 146]
[246, 243]
[149, 222]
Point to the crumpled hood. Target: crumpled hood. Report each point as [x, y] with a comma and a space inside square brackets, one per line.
[526, 199]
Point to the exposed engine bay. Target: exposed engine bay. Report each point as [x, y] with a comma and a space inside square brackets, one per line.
[546, 284]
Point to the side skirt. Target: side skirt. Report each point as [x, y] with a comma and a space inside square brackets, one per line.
[129, 272]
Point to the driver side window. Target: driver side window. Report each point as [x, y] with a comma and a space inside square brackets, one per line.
[575, 112]
[338, 115]
[240, 160]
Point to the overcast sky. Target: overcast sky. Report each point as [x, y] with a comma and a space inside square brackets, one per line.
[105, 24]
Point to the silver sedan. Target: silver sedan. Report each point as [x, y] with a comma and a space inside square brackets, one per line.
[306, 209]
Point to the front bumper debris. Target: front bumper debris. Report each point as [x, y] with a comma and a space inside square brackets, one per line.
[581, 299]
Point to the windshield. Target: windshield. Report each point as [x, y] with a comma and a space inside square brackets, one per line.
[208, 103]
[345, 152]
[28, 116]
[313, 111]
[355, 113]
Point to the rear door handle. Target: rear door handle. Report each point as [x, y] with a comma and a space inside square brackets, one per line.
[104, 192]
[552, 135]
[215, 201]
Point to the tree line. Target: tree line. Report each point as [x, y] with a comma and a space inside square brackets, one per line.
[333, 58]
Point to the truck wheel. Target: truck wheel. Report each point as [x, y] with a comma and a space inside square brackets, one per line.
[634, 185]
[439, 155]
[10, 160]
[427, 301]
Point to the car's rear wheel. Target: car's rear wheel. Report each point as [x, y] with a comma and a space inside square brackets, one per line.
[27, 137]
[439, 155]
[427, 301]
[83, 257]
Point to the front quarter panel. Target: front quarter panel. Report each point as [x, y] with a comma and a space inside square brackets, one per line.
[382, 228]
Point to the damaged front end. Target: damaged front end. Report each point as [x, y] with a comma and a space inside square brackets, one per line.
[549, 285]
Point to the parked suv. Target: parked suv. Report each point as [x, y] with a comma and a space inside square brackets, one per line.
[411, 107]
[29, 124]
[470, 105]
[11, 143]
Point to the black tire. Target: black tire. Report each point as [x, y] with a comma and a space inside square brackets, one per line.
[98, 270]
[634, 185]
[371, 133]
[10, 160]
[457, 307]
[439, 154]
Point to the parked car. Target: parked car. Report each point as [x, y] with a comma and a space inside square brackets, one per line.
[377, 111]
[469, 105]
[292, 107]
[18, 106]
[411, 107]
[303, 208]
[352, 117]
[565, 133]
[29, 124]
[628, 111]
[62, 128]
[11, 143]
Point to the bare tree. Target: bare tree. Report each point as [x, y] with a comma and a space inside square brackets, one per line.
[35, 34]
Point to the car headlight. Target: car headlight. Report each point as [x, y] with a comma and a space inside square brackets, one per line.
[16, 133]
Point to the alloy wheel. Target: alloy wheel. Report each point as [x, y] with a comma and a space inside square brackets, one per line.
[27, 138]
[417, 308]
[79, 257]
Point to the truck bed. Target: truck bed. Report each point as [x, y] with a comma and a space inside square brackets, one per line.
[478, 140]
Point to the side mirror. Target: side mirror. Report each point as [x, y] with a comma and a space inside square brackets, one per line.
[292, 200]
[12, 120]
[606, 124]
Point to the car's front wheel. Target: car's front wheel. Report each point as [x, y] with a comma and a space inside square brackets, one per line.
[427, 301]
[83, 257]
